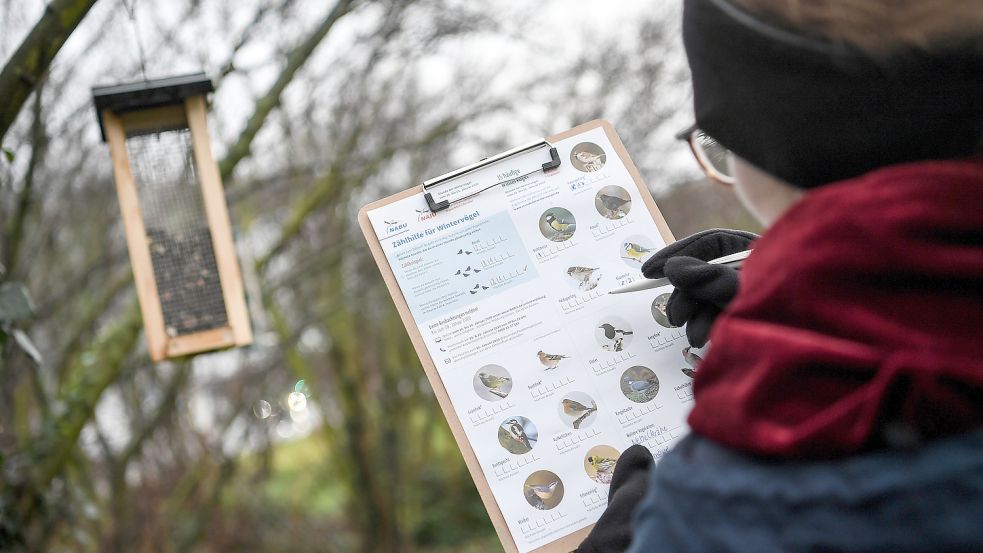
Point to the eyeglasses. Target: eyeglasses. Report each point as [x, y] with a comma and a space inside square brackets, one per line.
[709, 153]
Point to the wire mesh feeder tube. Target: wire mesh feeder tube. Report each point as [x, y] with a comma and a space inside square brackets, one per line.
[175, 216]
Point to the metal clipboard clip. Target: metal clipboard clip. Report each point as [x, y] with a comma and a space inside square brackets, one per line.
[429, 185]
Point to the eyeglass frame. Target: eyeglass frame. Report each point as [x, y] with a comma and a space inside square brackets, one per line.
[689, 135]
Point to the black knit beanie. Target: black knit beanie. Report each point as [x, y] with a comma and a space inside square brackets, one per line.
[813, 112]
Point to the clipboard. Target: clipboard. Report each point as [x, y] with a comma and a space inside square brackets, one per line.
[570, 541]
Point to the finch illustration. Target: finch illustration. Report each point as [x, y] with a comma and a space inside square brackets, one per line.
[604, 466]
[549, 360]
[615, 205]
[518, 433]
[636, 252]
[592, 162]
[576, 409]
[586, 277]
[494, 383]
[693, 359]
[559, 225]
[688, 372]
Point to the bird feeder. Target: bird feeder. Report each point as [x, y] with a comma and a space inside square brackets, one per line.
[174, 215]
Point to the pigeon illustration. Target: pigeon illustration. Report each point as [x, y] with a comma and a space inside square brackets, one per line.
[645, 388]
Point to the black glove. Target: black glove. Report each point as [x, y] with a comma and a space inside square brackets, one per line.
[702, 290]
[612, 533]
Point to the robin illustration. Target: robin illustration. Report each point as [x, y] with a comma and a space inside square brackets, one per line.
[574, 408]
[550, 360]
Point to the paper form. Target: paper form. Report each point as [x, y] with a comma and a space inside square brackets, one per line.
[550, 376]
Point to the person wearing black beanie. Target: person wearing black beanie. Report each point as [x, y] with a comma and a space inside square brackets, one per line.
[840, 406]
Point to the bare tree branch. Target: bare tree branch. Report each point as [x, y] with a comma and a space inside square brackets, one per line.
[30, 61]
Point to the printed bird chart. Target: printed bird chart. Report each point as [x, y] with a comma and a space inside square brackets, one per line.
[550, 377]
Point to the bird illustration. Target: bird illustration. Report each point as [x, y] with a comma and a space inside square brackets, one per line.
[616, 345]
[688, 372]
[592, 162]
[550, 360]
[636, 252]
[559, 225]
[615, 204]
[612, 333]
[604, 467]
[517, 433]
[647, 388]
[495, 383]
[544, 491]
[574, 408]
[585, 276]
[693, 359]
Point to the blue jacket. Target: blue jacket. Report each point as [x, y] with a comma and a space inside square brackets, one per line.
[706, 498]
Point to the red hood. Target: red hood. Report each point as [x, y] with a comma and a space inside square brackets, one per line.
[861, 306]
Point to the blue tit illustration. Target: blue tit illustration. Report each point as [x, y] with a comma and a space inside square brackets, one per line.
[636, 252]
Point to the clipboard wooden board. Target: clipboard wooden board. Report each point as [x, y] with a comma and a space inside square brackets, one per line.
[568, 542]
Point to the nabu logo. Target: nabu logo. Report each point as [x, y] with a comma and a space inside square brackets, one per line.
[394, 226]
[424, 214]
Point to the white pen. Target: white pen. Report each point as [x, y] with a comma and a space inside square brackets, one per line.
[733, 260]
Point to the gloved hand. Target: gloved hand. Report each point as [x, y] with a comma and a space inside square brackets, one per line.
[702, 290]
[612, 533]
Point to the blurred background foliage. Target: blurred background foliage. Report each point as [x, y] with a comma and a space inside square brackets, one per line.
[324, 434]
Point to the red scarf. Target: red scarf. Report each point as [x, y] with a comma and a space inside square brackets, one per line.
[861, 309]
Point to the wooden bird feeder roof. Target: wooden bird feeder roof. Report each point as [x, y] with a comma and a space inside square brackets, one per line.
[140, 95]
